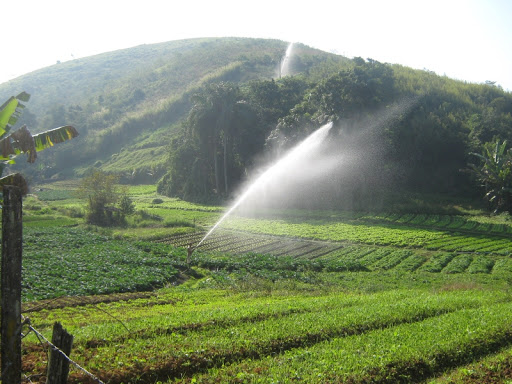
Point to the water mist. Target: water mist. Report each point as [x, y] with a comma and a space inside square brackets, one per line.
[273, 176]
[285, 68]
[319, 170]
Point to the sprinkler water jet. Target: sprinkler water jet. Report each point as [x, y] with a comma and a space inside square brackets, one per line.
[273, 174]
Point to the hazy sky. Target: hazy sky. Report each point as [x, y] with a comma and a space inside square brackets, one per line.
[464, 39]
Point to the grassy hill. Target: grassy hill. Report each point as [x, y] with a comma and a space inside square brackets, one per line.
[127, 103]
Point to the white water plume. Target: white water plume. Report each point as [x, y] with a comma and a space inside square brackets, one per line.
[285, 63]
[319, 172]
[293, 165]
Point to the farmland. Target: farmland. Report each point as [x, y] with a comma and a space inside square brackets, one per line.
[307, 296]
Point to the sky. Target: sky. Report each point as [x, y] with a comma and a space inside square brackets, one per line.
[469, 40]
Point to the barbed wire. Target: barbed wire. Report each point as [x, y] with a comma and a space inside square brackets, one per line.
[40, 336]
[29, 378]
[26, 322]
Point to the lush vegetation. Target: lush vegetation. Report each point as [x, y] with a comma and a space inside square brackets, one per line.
[387, 112]
[396, 297]
[127, 103]
[217, 336]
[390, 275]
[150, 119]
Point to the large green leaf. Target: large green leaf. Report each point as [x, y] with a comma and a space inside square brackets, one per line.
[22, 141]
[6, 111]
[54, 136]
[10, 112]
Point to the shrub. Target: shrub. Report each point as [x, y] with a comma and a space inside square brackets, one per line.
[126, 205]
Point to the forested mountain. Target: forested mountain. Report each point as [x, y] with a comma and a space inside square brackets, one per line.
[194, 115]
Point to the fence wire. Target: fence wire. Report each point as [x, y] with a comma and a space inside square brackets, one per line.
[40, 337]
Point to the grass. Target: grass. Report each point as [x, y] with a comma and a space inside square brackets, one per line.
[210, 335]
[309, 296]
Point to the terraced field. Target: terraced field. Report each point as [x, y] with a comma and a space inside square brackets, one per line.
[216, 336]
[404, 244]
[310, 297]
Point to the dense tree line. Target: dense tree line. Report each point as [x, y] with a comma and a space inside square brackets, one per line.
[201, 113]
[414, 130]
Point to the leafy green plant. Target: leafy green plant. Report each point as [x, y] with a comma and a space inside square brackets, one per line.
[101, 192]
[22, 141]
[495, 174]
[71, 261]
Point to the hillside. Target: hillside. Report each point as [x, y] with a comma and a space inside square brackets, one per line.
[126, 103]
[132, 109]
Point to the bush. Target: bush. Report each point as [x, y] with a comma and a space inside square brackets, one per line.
[101, 191]
[126, 205]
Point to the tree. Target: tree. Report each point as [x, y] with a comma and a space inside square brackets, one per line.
[126, 205]
[495, 174]
[102, 194]
[222, 133]
[211, 120]
[22, 141]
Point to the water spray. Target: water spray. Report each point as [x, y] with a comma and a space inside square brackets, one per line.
[284, 69]
[302, 151]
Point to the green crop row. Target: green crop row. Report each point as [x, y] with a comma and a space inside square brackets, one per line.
[377, 254]
[472, 224]
[502, 265]
[403, 353]
[391, 260]
[411, 263]
[337, 231]
[375, 234]
[175, 339]
[192, 312]
[437, 262]
[481, 264]
[495, 368]
[72, 261]
[458, 264]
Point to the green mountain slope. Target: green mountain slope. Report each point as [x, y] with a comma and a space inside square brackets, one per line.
[126, 103]
[132, 109]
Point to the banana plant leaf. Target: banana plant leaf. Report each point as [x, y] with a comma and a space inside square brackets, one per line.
[54, 136]
[22, 141]
[10, 111]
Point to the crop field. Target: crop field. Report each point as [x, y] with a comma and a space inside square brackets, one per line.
[295, 296]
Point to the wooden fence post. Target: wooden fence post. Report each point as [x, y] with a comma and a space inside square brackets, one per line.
[58, 367]
[12, 238]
